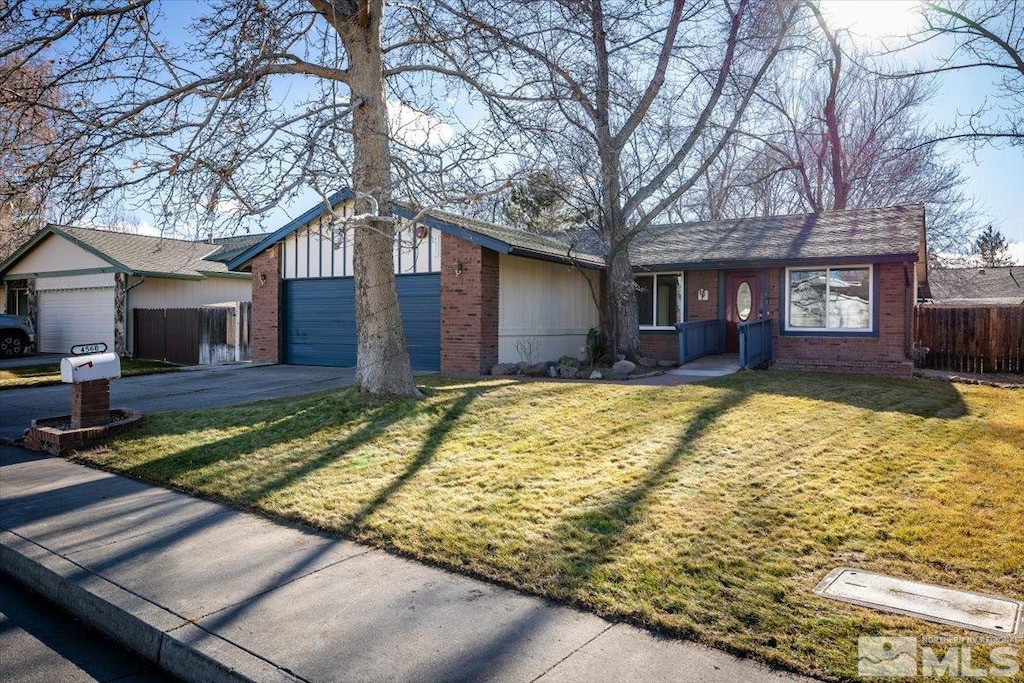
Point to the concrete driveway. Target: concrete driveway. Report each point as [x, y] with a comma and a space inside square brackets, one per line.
[208, 387]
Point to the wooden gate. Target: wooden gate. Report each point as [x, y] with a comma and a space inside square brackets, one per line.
[193, 336]
[972, 339]
[167, 334]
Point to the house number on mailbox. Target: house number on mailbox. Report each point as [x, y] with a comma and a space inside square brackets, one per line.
[82, 349]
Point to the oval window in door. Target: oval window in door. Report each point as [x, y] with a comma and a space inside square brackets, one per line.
[743, 300]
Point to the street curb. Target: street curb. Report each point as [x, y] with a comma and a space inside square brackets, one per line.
[156, 634]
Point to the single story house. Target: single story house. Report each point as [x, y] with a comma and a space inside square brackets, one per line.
[839, 288]
[82, 285]
[976, 286]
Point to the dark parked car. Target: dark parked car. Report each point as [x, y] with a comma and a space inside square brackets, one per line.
[16, 335]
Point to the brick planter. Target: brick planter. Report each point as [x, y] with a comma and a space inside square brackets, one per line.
[57, 435]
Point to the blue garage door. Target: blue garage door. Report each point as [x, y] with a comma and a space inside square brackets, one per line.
[320, 322]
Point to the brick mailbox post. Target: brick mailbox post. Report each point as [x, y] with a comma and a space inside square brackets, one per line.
[89, 377]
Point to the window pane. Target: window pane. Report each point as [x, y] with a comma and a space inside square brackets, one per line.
[849, 305]
[645, 298]
[668, 300]
[807, 298]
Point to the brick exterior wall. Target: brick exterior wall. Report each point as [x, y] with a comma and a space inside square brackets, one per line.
[659, 345]
[469, 308]
[90, 403]
[266, 305]
[886, 354]
[701, 310]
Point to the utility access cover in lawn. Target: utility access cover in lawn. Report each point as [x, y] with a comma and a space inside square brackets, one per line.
[973, 611]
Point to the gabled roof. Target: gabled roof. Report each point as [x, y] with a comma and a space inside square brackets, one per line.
[889, 233]
[502, 239]
[143, 254]
[977, 286]
[883, 234]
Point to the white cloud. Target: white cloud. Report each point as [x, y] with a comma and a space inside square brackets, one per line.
[143, 228]
[415, 128]
[1016, 250]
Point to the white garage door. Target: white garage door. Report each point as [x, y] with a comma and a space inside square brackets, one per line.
[75, 316]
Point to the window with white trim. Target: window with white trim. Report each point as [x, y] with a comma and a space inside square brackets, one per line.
[660, 300]
[835, 299]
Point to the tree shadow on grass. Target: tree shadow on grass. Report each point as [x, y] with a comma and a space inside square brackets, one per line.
[434, 438]
[376, 417]
[923, 398]
[587, 540]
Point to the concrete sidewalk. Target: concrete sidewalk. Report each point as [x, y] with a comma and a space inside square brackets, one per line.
[210, 593]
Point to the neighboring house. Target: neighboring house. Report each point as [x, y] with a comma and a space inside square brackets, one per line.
[82, 285]
[976, 286]
[840, 288]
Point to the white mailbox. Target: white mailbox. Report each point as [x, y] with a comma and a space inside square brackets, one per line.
[88, 368]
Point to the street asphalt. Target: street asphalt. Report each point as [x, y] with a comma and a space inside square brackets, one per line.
[212, 386]
[41, 644]
[211, 593]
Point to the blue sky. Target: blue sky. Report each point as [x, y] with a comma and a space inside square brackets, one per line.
[994, 177]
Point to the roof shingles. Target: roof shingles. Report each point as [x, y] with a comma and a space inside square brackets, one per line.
[144, 254]
[855, 233]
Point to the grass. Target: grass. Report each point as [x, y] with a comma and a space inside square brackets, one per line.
[707, 511]
[49, 373]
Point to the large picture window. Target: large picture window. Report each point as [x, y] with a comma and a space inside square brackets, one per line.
[658, 296]
[829, 299]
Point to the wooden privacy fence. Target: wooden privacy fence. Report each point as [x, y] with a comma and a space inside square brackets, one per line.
[972, 339]
[193, 336]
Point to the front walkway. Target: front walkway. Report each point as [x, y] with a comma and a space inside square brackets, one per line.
[211, 593]
[698, 370]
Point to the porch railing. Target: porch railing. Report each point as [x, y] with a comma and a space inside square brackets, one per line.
[700, 338]
[755, 342]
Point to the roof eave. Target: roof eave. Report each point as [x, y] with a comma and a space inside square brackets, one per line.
[273, 238]
[567, 259]
[51, 229]
[723, 264]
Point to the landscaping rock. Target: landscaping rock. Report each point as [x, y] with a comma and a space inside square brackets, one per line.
[504, 369]
[552, 371]
[666, 363]
[536, 370]
[648, 362]
[623, 367]
[567, 371]
[596, 374]
[618, 357]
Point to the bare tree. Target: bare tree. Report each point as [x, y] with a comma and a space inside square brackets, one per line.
[632, 101]
[987, 37]
[213, 119]
[837, 137]
[26, 134]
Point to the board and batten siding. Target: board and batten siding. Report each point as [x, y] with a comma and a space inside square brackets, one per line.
[548, 302]
[323, 248]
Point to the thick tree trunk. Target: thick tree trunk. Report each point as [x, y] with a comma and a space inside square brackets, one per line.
[382, 360]
[622, 307]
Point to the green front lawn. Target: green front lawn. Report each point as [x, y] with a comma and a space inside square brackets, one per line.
[708, 511]
[49, 373]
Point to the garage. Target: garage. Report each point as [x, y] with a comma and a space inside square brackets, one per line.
[320, 327]
[75, 316]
